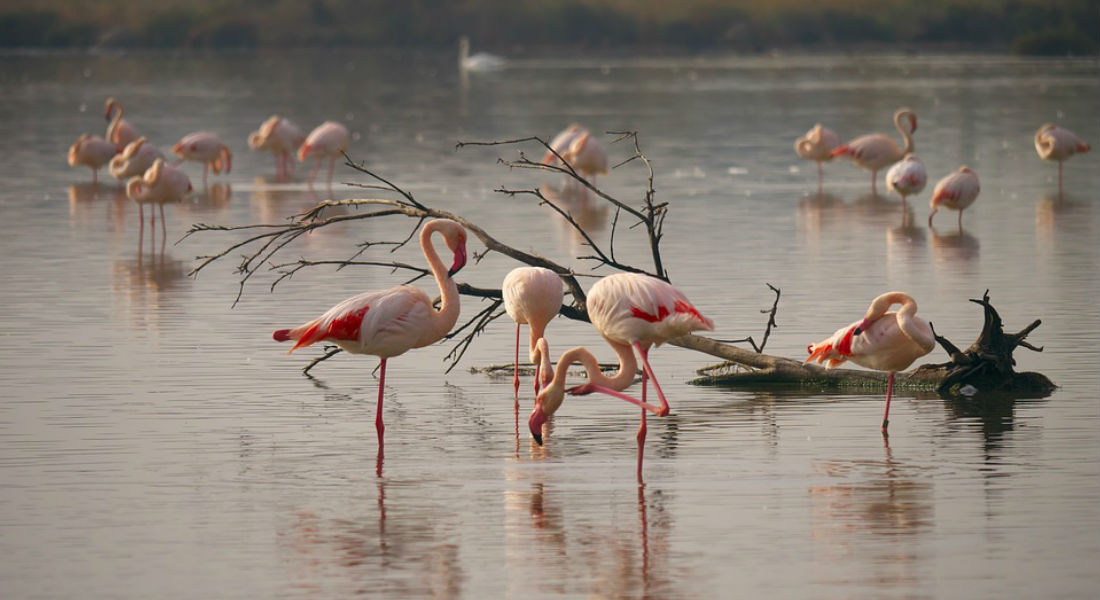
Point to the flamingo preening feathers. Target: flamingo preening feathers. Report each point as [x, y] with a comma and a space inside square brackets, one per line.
[1055, 143]
[135, 159]
[282, 138]
[393, 321]
[91, 151]
[817, 145]
[881, 340]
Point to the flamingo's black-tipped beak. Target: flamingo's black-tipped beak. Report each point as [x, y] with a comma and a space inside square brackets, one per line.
[534, 423]
[459, 262]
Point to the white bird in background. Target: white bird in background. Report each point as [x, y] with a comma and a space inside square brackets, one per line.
[393, 321]
[1055, 143]
[881, 340]
[957, 191]
[119, 130]
[91, 151]
[135, 159]
[207, 148]
[577, 147]
[328, 140]
[876, 151]
[481, 61]
[532, 296]
[282, 138]
[907, 177]
[817, 145]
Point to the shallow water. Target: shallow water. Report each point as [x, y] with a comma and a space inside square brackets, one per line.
[154, 441]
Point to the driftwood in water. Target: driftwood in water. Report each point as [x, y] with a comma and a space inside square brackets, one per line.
[986, 366]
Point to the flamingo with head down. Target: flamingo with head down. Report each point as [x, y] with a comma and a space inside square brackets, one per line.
[908, 177]
[580, 150]
[633, 312]
[119, 130]
[1056, 143]
[91, 151]
[532, 296]
[135, 159]
[876, 151]
[207, 148]
[391, 322]
[957, 191]
[817, 145]
[328, 140]
[881, 340]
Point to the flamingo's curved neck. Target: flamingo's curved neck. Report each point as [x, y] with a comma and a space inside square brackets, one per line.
[540, 354]
[628, 366]
[905, 134]
[116, 118]
[443, 319]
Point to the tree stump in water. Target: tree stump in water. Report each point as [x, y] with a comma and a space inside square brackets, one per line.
[986, 366]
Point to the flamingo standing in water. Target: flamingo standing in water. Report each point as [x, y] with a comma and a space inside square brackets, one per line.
[881, 340]
[119, 130]
[633, 312]
[578, 148]
[817, 145]
[161, 184]
[532, 296]
[329, 140]
[908, 177]
[91, 151]
[281, 137]
[135, 159]
[1055, 143]
[876, 151]
[391, 322]
[956, 191]
[207, 148]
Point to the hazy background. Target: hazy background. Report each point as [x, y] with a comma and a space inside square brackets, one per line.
[1058, 27]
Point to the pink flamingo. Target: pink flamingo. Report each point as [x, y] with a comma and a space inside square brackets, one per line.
[876, 151]
[135, 159]
[1055, 143]
[207, 148]
[817, 145]
[633, 312]
[329, 140]
[907, 177]
[532, 296]
[280, 137]
[119, 130]
[881, 340]
[91, 151]
[161, 184]
[956, 191]
[577, 146]
[391, 322]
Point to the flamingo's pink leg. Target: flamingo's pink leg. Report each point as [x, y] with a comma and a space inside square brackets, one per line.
[538, 376]
[641, 444]
[588, 388]
[331, 168]
[515, 371]
[889, 393]
[648, 370]
[378, 424]
[313, 171]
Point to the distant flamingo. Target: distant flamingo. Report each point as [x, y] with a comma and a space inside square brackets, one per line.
[207, 148]
[91, 151]
[637, 311]
[1055, 143]
[281, 137]
[482, 61]
[532, 296]
[907, 177]
[884, 341]
[135, 159]
[391, 322]
[582, 151]
[956, 191]
[329, 140]
[817, 145]
[119, 130]
[876, 151]
[161, 184]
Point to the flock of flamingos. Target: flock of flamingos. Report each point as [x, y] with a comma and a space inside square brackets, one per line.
[632, 312]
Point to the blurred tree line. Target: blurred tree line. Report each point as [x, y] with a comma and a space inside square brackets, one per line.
[1048, 27]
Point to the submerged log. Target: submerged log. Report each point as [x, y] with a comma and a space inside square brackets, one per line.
[986, 366]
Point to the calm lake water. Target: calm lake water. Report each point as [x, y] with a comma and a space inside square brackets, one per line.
[156, 443]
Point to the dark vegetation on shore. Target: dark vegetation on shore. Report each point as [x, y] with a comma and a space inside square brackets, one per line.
[1036, 27]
